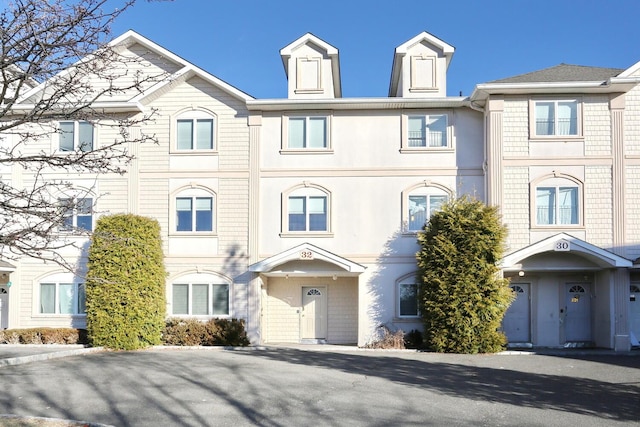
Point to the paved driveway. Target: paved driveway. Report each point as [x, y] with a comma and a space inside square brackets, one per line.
[294, 387]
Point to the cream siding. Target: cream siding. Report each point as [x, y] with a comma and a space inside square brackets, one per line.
[596, 125]
[598, 202]
[515, 121]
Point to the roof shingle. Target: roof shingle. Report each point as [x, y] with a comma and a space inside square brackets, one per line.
[564, 73]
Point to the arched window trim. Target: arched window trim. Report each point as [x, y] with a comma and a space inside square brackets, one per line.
[193, 113]
[404, 302]
[554, 180]
[424, 188]
[188, 284]
[192, 191]
[306, 189]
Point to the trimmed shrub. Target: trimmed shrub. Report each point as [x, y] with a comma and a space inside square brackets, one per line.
[462, 296]
[414, 340]
[43, 336]
[222, 332]
[125, 285]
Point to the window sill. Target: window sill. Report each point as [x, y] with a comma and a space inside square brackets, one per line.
[288, 151]
[410, 233]
[177, 152]
[306, 234]
[309, 90]
[407, 319]
[556, 138]
[59, 315]
[423, 89]
[557, 227]
[193, 234]
[427, 150]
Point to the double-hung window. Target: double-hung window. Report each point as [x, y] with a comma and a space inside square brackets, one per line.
[408, 300]
[557, 205]
[62, 298]
[194, 213]
[307, 133]
[307, 213]
[200, 299]
[556, 118]
[421, 207]
[195, 134]
[77, 213]
[76, 136]
[427, 131]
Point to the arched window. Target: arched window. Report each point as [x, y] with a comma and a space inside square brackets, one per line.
[194, 210]
[557, 201]
[307, 210]
[194, 130]
[419, 202]
[200, 294]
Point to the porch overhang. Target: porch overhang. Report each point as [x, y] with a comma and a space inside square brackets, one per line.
[305, 260]
[5, 267]
[564, 243]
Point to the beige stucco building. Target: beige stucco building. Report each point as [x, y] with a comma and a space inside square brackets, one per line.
[300, 214]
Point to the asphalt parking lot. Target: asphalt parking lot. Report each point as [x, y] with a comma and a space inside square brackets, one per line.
[299, 387]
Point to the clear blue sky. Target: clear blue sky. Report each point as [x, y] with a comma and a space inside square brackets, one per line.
[238, 41]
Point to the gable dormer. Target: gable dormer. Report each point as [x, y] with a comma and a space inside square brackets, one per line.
[312, 67]
[420, 68]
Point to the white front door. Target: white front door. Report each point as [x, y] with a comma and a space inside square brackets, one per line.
[517, 321]
[4, 308]
[577, 319]
[634, 310]
[313, 318]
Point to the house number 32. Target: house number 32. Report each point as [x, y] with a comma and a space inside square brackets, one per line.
[306, 255]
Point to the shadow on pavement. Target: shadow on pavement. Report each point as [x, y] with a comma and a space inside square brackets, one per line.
[562, 393]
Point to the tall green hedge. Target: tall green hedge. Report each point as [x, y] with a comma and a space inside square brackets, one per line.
[462, 297]
[125, 285]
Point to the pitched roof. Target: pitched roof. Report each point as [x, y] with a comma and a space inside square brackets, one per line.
[564, 73]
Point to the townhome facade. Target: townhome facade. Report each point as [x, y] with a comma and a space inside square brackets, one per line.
[300, 215]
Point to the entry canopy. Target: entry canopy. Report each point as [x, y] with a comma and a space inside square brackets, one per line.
[304, 260]
[563, 243]
[5, 267]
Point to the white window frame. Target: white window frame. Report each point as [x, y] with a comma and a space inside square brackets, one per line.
[193, 193]
[194, 115]
[424, 189]
[76, 209]
[557, 182]
[58, 280]
[201, 279]
[426, 116]
[78, 146]
[307, 118]
[306, 191]
[556, 134]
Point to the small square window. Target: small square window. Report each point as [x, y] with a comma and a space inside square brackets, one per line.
[307, 133]
[556, 118]
[77, 213]
[194, 214]
[557, 206]
[421, 207]
[195, 134]
[76, 136]
[428, 131]
[307, 213]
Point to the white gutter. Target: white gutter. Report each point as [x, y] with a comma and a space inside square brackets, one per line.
[356, 103]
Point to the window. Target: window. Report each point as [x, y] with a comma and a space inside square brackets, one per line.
[200, 299]
[77, 213]
[307, 133]
[194, 214]
[421, 208]
[428, 131]
[408, 300]
[76, 136]
[556, 118]
[62, 298]
[307, 213]
[557, 205]
[420, 202]
[195, 134]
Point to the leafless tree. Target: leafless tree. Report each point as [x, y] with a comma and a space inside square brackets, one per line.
[53, 51]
